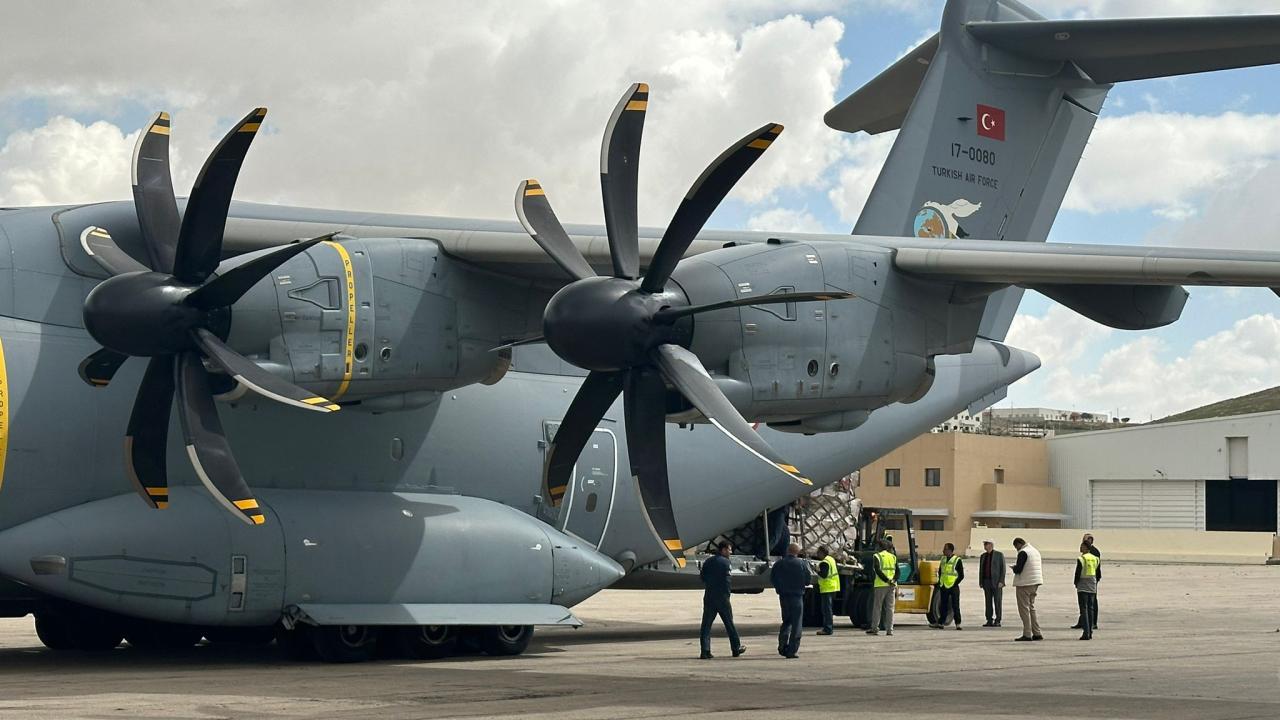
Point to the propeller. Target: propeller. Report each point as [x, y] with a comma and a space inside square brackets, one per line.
[174, 310]
[632, 333]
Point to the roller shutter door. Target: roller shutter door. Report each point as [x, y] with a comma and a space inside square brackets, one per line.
[1169, 504]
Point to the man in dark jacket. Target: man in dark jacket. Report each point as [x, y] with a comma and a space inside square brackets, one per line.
[991, 572]
[1093, 597]
[790, 576]
[715, 600]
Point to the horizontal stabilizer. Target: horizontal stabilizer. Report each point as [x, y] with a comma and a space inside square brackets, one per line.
[1111, 51]
[1027, 264]
[881, 105]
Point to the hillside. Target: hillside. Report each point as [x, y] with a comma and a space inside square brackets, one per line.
[1262, 401]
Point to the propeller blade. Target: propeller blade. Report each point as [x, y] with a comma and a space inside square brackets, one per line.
[257, 379]
[669, 315]
[153, 193]
[200, 239]
[147, 439]
[99, 245]
[540, 221]
[702, 199]
[207, 445]
[646, 414]
[595, 396]
[619, 163]
[98, 369]
[224, 290]
[685, 371]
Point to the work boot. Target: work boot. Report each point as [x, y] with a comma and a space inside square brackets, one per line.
[873, 632]
[825, 632]
[1086, 636]
[706, 656]
[988, 624]
[739, 650]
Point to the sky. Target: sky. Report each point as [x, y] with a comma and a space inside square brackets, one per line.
[441, 108]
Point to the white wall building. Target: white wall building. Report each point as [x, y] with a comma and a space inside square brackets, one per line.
[1216, 474]
[1038, 414]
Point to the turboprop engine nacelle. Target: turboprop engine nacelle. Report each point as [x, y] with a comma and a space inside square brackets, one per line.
[804, 367]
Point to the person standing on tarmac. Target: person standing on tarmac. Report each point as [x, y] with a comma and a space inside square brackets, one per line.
[790, 577]
[715, 601]
[1088, 573]
[1093, 599]
[1027, 578]
[884, 591]
[828, 586]
[991, 572]
[950, 575]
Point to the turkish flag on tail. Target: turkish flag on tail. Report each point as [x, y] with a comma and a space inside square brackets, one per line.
[991, 122]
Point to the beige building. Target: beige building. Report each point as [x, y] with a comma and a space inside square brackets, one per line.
[954, 481]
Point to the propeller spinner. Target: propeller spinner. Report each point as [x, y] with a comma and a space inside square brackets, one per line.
[176, 312]
[628, 331]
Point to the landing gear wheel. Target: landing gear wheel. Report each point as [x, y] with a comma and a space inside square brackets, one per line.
[148, 635]
[426, 642]
[240, 635]
[344, 643]
[500, 640]
[54, 631]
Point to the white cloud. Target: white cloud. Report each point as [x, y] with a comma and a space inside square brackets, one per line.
[64, 161]
[783, 219]
[1243, 214]
[863, 158]
[1137, 376]
[442, 108]
[1168, 161]
[1059, 337]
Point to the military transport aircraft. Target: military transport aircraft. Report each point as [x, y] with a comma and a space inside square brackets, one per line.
[409, 428]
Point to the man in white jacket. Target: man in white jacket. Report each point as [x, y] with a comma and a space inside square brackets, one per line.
[1027, 577]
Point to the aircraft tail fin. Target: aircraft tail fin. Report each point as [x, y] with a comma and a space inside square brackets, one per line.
[996, 109]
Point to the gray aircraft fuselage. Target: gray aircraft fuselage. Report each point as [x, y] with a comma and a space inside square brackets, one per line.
[416, 491]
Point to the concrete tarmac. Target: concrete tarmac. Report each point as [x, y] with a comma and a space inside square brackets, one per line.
[1174, 642]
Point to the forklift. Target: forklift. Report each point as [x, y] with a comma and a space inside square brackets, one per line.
[916, 577]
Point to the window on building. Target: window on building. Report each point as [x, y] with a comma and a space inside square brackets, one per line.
[999, 476]
[930, 524]
[932, 477]
[892, 477]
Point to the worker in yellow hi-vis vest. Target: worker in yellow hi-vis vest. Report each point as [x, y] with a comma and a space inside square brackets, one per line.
[828, 586]
[950, 575]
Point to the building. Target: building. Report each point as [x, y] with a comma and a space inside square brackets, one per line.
[1042, 415]
[1215, 474]
[952, 481]
[964, 422]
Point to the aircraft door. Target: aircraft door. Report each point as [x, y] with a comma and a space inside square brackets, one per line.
[588, 502]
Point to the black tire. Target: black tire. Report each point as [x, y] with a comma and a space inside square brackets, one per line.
[858, 604]
[426, 642]
[76, 628]
[54, 631]
[505, 640]
[161, 636]
[932, 613]
[240, 635]
[344, 643]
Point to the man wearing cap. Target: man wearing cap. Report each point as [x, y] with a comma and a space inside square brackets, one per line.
[991, 579]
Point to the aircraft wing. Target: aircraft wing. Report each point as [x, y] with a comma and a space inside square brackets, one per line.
[1032, 264]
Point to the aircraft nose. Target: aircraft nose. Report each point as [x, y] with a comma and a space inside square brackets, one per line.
[580, 571]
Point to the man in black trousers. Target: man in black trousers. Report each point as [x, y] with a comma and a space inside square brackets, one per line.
[991, 579]
[1093, 597]
[790, 576]
[715, 600]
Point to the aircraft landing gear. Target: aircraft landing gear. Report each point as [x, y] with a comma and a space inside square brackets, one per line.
[77, 629]
[504, 640]
[344, 643]
[426, 642]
